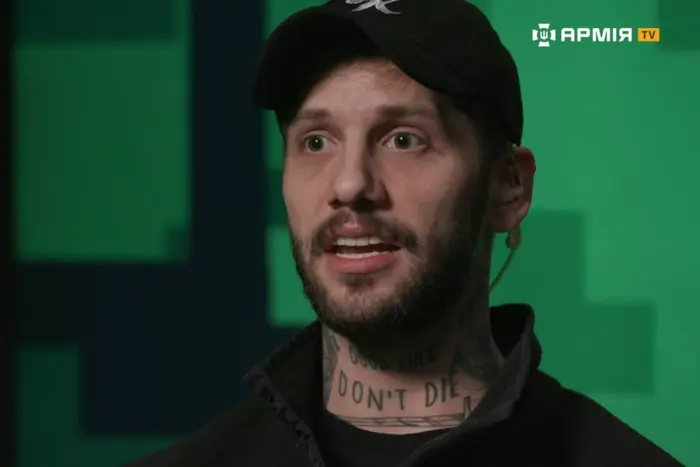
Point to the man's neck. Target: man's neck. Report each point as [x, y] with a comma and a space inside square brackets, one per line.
[423, 382]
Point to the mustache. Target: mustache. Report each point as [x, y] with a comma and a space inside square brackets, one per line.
[389, 230]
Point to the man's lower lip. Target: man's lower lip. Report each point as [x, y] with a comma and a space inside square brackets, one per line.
[350, 264]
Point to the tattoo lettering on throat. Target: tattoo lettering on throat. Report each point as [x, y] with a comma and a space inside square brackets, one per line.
[412, 361]
[373, 398]
[441, 391]
[435, 393]
[330, 361]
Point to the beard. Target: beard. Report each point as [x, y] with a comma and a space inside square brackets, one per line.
[437, 278]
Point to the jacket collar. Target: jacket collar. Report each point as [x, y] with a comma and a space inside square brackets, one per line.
[289, 379]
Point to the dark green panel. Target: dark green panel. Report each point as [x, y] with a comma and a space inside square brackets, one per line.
[679, 24]
[178, 244]
[90, 20]
[595, 348]
[49, 428]
[624, 363]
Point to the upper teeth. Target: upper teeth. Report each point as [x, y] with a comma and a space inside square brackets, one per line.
[361, 241]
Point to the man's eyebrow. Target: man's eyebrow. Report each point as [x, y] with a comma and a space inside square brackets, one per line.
[395, 112]
[388, 112]
[310, 114]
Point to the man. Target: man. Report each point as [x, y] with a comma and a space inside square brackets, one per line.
[402, 123]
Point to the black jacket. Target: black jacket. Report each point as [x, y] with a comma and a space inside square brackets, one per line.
[527, 418]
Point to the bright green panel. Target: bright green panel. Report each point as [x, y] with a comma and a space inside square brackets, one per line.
[287, 304]
[49, 430]
[102, 150]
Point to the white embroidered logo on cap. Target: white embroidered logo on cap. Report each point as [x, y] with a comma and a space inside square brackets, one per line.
[380, 5]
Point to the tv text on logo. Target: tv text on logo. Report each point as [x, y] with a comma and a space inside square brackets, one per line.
[648, 35]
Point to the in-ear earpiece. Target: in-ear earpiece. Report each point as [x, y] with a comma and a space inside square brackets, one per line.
[513, 171]
[514, 238]
[515, 181]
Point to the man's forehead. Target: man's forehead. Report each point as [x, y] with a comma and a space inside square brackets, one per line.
[372, 86]
[381, 68]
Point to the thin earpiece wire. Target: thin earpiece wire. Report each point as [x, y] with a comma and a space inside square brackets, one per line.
[513, 243]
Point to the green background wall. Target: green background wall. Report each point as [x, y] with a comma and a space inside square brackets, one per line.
[609, 259]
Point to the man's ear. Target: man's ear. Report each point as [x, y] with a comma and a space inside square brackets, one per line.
[510, 194]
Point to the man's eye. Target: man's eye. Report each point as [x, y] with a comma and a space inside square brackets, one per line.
[315, 143]
[405, 141]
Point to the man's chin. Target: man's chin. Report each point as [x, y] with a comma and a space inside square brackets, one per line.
[371, 288]
[359, 297]
[360, 307]
[356, 323]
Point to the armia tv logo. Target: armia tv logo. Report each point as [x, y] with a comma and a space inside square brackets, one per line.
[544, 35]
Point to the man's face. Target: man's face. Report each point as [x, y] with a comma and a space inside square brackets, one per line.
[378, 183]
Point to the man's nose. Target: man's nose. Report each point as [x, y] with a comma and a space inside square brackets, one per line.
[356, 181]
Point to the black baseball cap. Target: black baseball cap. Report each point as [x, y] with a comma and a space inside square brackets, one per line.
[446, 45]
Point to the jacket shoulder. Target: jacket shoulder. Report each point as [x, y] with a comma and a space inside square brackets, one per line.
[597, 437]
[223, 439]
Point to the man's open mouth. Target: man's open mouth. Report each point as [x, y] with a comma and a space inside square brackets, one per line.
[360, 247]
